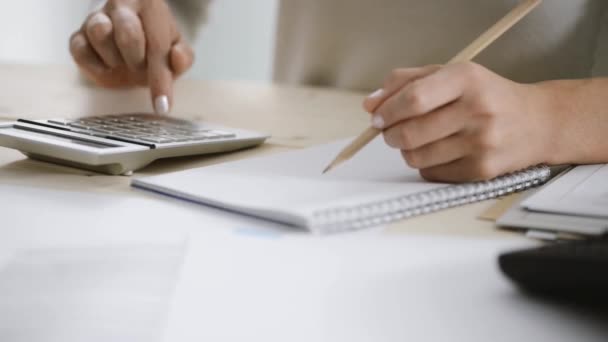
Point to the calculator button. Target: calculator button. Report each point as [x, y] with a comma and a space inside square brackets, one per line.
[112, 129]
[99, 134]
[78, 125]
[123, 126]
[82, 131]
[134, 119]
[126, 135]
[150, 139]
[90, 121]
[144, 131]
[58, 122]
[100, 130]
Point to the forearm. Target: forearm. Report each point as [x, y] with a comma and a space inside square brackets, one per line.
[578, 114]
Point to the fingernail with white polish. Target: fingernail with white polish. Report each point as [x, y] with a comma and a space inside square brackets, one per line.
[377, 121]
[377, 94]
[161, 105]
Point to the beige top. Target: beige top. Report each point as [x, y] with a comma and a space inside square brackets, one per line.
[355, 43]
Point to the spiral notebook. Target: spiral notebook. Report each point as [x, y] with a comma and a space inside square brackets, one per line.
[374, 188]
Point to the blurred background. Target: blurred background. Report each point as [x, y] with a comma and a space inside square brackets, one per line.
[236, 43]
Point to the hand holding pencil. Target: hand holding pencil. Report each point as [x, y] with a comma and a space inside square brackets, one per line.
[458, 122]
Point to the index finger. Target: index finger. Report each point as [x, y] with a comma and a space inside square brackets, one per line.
[421, 96]
[160, 34]
[397, 79]
[160, 80]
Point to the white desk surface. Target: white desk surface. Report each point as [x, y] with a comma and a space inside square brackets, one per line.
[428, 278]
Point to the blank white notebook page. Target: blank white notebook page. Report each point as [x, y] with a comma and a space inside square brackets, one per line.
[292, 184]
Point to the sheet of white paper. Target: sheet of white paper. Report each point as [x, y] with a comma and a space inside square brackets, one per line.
[581, 191]
[363, 288]
[257, 285]
[41, 216]
[101, 293]
[519, 217]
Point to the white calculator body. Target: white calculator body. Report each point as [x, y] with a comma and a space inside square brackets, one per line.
[120, 144]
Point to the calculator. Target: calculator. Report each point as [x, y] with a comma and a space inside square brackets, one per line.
[121, 143]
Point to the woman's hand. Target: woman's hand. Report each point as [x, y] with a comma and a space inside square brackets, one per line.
[132, 43]
[462, 122]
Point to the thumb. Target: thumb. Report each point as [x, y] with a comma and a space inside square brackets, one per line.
[160, 80]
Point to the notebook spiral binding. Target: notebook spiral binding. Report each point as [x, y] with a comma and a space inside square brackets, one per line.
[342, 219]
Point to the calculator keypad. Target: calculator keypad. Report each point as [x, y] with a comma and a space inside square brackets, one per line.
[142, 128]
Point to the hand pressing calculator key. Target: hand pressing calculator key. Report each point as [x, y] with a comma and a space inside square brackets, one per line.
[120, 144]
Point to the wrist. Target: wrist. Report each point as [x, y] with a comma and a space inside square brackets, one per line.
[553, 105]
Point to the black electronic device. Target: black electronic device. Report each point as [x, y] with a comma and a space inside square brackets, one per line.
[572, 269]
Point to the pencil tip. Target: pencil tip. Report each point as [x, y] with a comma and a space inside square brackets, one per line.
[332, 165]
